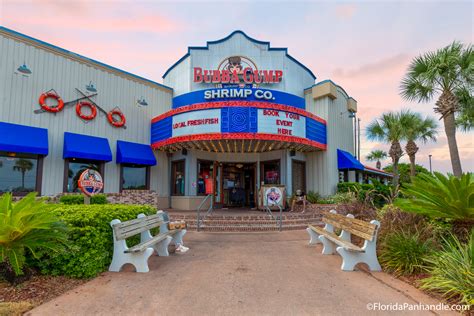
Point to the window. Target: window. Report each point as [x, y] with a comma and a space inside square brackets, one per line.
[205, 177]
[73, 169]
[270, 172]
[20, 173]
[177, 177]
[135, 177]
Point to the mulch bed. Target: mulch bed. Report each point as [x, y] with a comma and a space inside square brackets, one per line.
[36, 291]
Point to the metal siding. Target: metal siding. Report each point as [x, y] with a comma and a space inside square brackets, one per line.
[19, 98]
[295, 77]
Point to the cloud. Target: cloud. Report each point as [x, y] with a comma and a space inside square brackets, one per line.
[345, 11]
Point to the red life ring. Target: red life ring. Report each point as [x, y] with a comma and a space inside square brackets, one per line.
[110, 117]
[92, 107]
[44, 106]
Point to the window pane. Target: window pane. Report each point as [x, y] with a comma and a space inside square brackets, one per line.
[178, 178]
[18, 174]
[205, 179]
[271, 172]
[75, 169]
[134, 178]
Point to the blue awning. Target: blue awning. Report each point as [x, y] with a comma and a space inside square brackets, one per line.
[134, 153]
[23, 139]
[86, 147]
[345, 160]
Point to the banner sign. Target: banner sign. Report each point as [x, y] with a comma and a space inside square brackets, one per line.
[197, 122]
[281, 123]
[236, 93]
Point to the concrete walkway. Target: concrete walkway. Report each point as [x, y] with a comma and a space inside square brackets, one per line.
[239, 274]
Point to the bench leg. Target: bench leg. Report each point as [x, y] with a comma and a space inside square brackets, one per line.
[139, 260]
[313, 237]
[328, 246]
[162, 247]
[350, 259]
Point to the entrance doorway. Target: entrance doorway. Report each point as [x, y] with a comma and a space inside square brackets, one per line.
[238, 184]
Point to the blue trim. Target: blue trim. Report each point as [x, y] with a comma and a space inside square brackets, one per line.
[345, 160]
[247, 37]
[280, 98]
[17, 138]
[161, 130]
[329, 80]
[134, 153]
[80, 56]
[316, 131]
[86, 147]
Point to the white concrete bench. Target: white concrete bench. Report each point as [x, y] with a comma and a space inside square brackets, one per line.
[138, 255]
[350, 253]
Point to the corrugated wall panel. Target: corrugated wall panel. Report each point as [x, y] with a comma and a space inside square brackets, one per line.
[19, 98]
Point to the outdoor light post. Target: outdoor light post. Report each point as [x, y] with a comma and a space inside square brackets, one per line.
[431, 170]
[358, 139]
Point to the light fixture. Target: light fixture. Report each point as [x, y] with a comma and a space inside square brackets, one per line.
[24, 69]
[239, 165]
[351, 114]
[90, 87]
[142, 101]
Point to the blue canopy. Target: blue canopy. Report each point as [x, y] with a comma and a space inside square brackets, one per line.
[345, 160]
[134, 153]
[86, 147]
[23, 139]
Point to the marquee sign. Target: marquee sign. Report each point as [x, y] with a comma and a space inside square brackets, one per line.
[237, 70]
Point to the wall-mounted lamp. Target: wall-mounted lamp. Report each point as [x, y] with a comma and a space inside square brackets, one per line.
[24, 69]
[351, 114]
[90, 87]
[142, 101]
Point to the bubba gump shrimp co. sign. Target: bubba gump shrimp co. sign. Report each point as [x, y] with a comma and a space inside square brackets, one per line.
[90, 182]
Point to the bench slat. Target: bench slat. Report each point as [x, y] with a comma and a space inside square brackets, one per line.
[335, 239]
[136, 226]
[354, 226]
[154, 240]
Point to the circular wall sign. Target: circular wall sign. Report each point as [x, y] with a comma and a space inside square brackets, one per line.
[90, 182]
[274, 196]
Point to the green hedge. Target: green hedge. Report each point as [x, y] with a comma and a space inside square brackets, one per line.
[90, 234]
[79, 199]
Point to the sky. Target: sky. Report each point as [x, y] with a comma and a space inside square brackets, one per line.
[363, 46]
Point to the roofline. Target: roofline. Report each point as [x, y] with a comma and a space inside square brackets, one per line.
[375, 170]
[329, 80]
[75, 56]
[247, 37]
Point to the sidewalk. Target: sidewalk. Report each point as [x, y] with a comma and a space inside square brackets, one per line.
[239, 274]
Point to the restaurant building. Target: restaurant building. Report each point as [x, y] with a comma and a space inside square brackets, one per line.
[229, 118]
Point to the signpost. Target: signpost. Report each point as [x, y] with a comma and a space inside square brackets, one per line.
[90, 182]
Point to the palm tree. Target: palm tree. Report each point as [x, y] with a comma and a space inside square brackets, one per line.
[388, 129]
[377, 155]
[23, 165]
[448, 72]
[417, 128]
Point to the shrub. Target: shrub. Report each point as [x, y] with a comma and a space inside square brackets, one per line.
[91, 237]
[442, 197]
[71, 199]
[403, 252]
[377, 194]
[26, 224]
[312, 197]
[452, 270]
